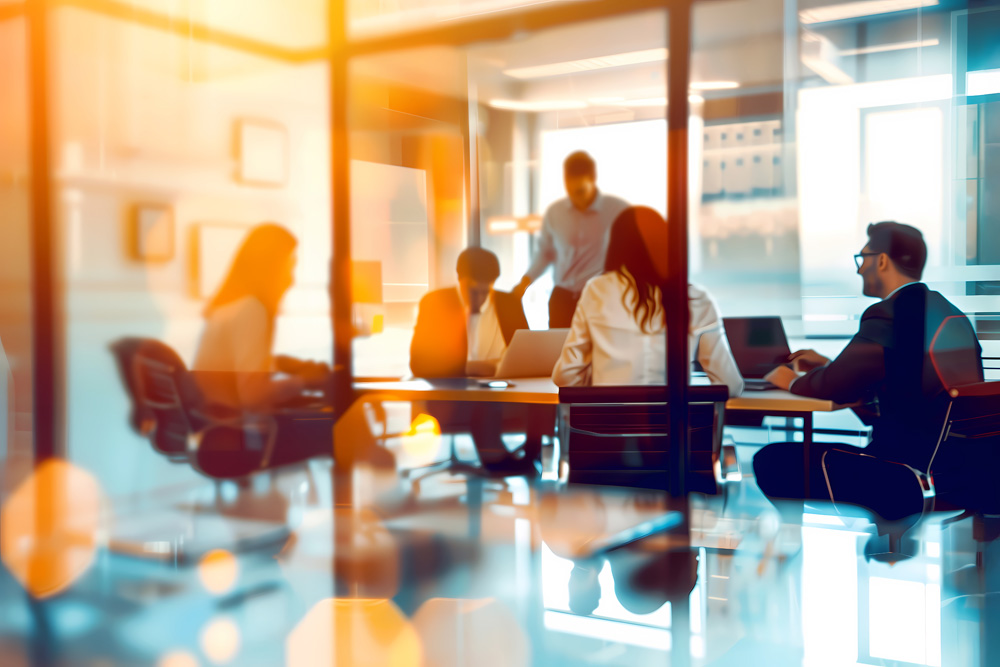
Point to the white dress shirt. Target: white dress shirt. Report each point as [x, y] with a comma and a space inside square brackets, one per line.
[606, 346]
[575, 241]
[484, 336]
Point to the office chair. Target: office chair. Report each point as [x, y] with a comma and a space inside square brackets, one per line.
[180, 423]
[620, 436]
[899, 494]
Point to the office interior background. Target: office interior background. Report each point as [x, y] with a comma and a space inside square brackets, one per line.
[166, 129]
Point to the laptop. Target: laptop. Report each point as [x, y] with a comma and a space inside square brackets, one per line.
[759, 346]
[532, 353]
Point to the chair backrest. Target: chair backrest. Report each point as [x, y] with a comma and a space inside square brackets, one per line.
[620, 435]
[123, 350]
[165, 396]
[965, 468]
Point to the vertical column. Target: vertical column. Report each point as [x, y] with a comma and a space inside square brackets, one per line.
[45, 354]
[340, 256]
[675, 294]
[470, 132]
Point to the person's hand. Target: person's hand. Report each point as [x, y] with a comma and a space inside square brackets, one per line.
[806, 360]
[315, 374]
[481, 368]
[782, 377]
[521, 287]
[285, 364]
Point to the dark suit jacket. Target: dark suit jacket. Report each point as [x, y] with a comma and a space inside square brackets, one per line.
[440, 340]
[889, 360]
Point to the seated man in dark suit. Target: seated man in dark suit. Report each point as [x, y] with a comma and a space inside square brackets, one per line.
[893, 363]
[463, 331]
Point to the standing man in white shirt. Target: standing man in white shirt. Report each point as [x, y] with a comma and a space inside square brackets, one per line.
[574, 238]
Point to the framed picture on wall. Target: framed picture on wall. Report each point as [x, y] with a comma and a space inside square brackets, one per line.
[262, 147]
[151, 233]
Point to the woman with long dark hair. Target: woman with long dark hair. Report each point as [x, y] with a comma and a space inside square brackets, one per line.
[618, 334]
[239, 327]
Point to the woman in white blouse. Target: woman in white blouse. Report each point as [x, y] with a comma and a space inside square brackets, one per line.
[618, 334]
[239, 328]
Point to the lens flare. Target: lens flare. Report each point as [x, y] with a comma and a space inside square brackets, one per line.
[424, 437]
[50, 527]
[353, 632]
[218, 570]
[220, 640]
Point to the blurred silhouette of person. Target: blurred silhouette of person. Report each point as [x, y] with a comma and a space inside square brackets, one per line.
[573, 238]
[240, 323]
[618, 333]
[463, 331]
[234, 364]
[889, 365]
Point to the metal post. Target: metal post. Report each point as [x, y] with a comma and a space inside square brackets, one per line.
[340, 255]
[43, 268]
[675, 297]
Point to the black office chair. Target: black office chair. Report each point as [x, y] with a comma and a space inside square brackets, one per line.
[169, 409]
[899, 494]
[620, 436]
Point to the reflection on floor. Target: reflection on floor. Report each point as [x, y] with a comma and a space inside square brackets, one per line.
[473, 572]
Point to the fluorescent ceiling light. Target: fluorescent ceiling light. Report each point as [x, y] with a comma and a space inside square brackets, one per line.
[531, 105]
[605, 100]
[695, 99]
[714, 85]
[850, 10]
[588, 64]
[982, 82]
[883, 48]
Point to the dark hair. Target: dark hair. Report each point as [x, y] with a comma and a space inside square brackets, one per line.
[637, 232]
[256, 267]
[479, 264]
[579, 164]
[902, 243]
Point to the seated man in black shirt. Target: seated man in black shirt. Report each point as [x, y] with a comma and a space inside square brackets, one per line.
[890, 364]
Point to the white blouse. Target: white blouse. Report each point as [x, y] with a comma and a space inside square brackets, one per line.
[606, 346]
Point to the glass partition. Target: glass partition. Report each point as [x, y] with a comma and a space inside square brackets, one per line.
[501, 116]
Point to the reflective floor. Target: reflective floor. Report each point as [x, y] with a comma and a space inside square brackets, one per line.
[456, 571]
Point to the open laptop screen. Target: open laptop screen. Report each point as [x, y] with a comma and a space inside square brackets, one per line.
[758, 344]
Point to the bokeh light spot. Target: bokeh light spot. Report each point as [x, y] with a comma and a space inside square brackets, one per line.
[50, 527]
[177, 659]
[220, 640]
[353, 632]
[218, 570]
[424, 437]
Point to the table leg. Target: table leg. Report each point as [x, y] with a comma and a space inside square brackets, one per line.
[807, 439]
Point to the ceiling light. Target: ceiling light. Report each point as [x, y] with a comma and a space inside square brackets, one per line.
[541, 105]
[605, 100]
[883, 48]
[714, 85]
[695, 99]
[982, 82]
[850, 10]
[588, 64]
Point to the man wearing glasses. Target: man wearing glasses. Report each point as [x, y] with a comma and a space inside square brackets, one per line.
[888, 366]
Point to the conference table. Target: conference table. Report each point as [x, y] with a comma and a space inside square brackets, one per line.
[771, 402]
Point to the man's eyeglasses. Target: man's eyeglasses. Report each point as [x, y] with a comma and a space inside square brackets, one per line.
[859, 258]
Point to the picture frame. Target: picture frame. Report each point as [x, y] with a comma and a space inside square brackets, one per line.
[262, 148]
[151, 233]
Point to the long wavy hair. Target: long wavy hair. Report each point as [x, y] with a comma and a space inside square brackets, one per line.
[636, 233]
[256, 269]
